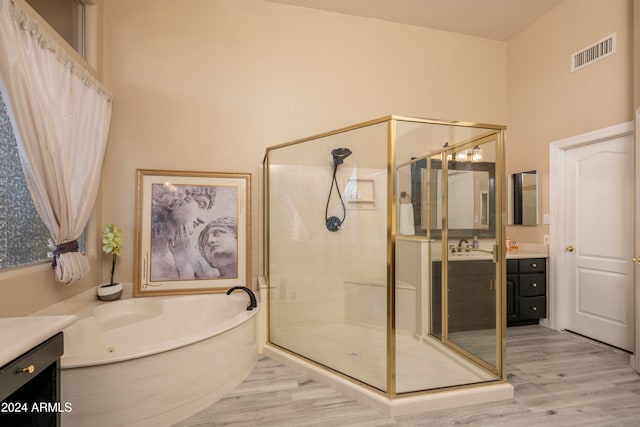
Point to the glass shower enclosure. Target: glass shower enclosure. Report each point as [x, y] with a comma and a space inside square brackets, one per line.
[384, 253]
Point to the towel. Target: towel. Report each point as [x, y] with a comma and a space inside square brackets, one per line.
[406, 219]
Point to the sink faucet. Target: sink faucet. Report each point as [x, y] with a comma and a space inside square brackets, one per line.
[460, 244]
[252, 297]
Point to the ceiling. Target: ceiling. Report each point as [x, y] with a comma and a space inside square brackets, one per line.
[493, 19]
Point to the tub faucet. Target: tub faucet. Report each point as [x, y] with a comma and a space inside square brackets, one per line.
[252, 297]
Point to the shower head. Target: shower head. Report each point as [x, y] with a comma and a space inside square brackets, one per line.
[339, 154]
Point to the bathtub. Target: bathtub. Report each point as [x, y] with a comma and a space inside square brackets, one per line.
[154, 361]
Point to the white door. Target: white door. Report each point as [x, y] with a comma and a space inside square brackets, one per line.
[599, 240]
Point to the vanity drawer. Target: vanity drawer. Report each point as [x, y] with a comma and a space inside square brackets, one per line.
[531, 285]
[532, 265]
[20, 371]
[532, 307]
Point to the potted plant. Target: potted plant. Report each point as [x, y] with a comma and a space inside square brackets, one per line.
[111, 244]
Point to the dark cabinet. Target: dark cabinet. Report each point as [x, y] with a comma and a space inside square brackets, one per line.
[526, 291]
[471, 296]
[30, 387]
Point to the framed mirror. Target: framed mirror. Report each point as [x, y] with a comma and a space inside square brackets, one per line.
[525, 198]
[471, 206]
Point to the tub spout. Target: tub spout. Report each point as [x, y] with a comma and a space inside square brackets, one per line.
[252, 297]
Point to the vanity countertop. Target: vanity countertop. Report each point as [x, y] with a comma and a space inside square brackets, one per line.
[510, 255]
[20, 334]
[521, 254]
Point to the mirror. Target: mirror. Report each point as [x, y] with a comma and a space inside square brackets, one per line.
[471, 211]
[525, 198]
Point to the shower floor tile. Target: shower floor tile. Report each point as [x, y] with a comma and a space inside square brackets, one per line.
[359, 351]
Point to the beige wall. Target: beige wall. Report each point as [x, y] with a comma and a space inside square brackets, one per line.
[548, 102]
[208, 85]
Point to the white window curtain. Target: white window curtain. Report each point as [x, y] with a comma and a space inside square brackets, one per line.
[61, 115]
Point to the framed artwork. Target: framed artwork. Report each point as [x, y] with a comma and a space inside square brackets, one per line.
[192, 232]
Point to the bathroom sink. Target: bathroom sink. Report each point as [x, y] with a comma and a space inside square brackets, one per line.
[472, 254]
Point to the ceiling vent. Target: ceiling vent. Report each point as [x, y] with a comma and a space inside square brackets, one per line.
[593, 53]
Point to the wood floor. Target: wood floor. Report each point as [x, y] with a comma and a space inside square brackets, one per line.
[560, 379]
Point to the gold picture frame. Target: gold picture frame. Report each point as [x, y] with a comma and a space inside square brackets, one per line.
[192, 232]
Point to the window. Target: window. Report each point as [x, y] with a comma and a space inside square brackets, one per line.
[23, 235]
[67, 17]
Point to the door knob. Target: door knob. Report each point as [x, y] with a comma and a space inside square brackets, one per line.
[570, 248]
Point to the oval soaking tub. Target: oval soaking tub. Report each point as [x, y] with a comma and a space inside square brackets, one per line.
[154, 361]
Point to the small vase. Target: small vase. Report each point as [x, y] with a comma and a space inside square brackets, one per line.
[110, 292]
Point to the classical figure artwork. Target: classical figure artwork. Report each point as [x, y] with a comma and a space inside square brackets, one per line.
[192, 231]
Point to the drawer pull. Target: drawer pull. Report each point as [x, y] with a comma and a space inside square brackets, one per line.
[534, 265]
[534, 308]
[28, 370]
[533, 285]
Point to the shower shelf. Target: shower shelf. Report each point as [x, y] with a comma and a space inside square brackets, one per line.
[360, 193]
[361, 204]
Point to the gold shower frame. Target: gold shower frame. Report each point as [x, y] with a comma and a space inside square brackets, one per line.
[496, 131]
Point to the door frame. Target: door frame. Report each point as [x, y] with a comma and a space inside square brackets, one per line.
[635, 361]
[558, 295]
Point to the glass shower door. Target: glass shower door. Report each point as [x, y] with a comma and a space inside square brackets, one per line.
[471, 269]
[445, 316]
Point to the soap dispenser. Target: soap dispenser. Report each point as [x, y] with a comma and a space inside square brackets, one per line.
[476, 243]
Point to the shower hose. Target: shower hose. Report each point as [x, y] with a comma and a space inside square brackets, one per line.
[333, 222]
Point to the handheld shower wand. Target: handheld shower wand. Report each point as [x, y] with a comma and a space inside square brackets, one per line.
[334, 223]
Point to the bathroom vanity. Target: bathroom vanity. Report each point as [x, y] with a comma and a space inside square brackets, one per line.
[471, 295]
[30, 370]
[526, 289]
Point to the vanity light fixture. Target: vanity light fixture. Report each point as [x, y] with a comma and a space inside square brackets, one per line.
[461, 156]
[476, 155]
[473, 155]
